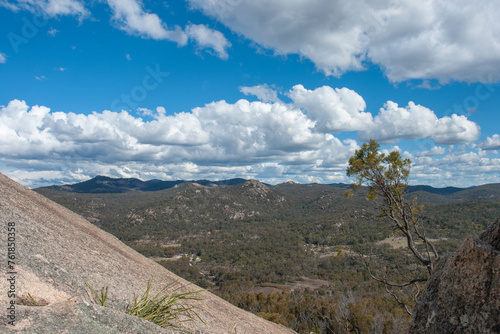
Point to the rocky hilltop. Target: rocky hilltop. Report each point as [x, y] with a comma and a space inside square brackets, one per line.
[463, 293]
[57, 251]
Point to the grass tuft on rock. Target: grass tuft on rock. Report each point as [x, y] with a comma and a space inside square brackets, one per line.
[168, 308]
[100, 298]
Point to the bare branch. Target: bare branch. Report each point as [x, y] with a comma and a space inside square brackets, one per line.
[398, 300]
[418, 292]
[387, 283]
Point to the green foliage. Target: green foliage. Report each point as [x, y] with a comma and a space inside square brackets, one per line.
[166, 308]
[153, 250]
[384, 174]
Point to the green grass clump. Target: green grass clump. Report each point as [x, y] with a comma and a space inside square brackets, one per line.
[168, 308]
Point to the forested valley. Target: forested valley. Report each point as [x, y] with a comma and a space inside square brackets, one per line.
[295, 254]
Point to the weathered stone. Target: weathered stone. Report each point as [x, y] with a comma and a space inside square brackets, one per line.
[492, 235]
[77, 317]
[463, 293]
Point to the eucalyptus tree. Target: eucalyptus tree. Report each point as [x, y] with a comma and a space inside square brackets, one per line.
[386, 177]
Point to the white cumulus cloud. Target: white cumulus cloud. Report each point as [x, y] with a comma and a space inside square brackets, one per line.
[491, 143]
[334, 110]
[322, 31]
[430, 39]
[416, 122]
[3, 58]
[440, 39]
[257, 130]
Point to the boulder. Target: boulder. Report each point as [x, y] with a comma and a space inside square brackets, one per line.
[463, 293]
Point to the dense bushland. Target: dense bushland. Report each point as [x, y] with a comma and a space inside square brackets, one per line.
[257, 246]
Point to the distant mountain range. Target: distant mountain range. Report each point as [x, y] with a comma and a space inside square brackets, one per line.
[432, 190]
[104, 184]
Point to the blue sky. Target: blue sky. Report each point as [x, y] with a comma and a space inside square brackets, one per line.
[273, 90]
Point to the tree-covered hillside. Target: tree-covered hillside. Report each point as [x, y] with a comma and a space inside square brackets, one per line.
[292, 253]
